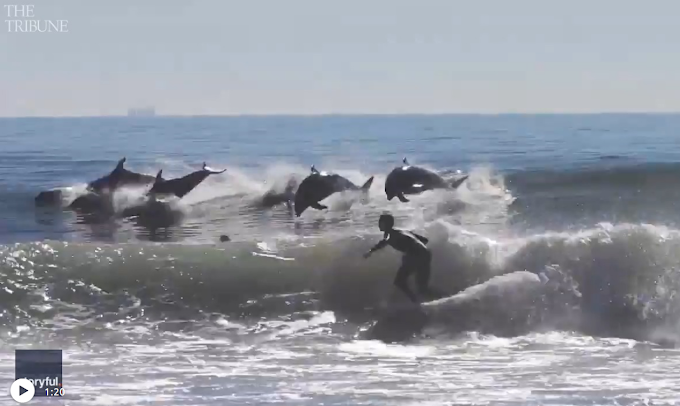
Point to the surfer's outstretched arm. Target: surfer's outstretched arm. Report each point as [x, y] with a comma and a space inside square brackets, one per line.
[421, 238]
[382, 244]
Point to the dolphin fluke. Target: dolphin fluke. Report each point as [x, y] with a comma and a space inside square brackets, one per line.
[364, 189]
[212, 171]
[459, 182]
[367, 184]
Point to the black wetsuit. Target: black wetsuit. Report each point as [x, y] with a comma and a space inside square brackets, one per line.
[417, 258]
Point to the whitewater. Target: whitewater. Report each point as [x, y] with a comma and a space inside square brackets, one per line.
[560, 253]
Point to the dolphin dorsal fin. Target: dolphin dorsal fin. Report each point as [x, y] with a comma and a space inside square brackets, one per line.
[314, 170]
[204, 165]
[119, 166]
[405, 161]
[159, 176]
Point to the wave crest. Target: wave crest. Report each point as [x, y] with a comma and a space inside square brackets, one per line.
[621, 279]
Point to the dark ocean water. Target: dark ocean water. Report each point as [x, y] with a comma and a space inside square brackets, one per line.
[579, 212]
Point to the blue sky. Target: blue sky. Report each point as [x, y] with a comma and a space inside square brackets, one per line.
[350, 56]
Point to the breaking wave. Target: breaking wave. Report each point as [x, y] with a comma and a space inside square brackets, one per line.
[619, 280]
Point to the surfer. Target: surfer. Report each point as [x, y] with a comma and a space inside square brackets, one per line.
[417, 257]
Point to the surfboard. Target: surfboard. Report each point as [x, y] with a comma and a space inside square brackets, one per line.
[410, 306]
[398, 322]
[437, 299]
[399, 307]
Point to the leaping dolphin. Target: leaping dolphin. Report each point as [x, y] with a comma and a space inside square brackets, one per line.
[117, 178]
[319, 185]
[180, 187]
[411, 180]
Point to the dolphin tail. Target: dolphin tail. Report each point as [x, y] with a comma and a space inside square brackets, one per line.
[364, 189]
[367, 185]
[458, 182]
[212, 171]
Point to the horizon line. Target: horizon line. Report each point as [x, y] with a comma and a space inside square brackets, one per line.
[261, 115]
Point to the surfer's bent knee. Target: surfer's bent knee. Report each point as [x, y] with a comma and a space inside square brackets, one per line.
[401, 280]
[423, 273]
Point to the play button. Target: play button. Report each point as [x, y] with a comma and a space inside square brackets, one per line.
[22, 390]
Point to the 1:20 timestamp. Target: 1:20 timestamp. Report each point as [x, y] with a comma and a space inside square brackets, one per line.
[54, 392]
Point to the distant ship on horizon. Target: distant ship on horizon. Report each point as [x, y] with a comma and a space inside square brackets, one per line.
[142, 112]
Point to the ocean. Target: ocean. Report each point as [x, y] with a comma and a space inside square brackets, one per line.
[562, 248]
